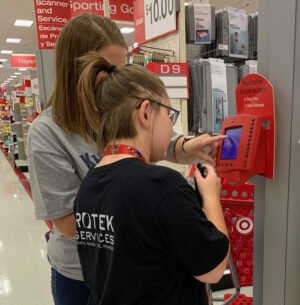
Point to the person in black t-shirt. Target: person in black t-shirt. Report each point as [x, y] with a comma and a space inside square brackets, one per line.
[142, 237]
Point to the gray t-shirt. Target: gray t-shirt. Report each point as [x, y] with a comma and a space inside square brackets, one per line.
[58, 161]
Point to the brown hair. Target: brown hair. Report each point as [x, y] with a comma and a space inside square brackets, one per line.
[86, 32]
[109, 102]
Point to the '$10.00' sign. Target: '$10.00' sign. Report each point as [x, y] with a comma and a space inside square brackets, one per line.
[160, 17]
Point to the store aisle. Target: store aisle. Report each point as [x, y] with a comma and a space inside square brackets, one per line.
[24, 269]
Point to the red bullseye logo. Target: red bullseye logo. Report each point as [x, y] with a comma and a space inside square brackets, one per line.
[244, 225]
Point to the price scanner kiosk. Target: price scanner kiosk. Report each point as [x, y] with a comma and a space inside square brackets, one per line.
[242, 154]
[248, 149]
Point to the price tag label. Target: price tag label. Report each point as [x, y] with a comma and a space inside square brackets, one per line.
[160, 17]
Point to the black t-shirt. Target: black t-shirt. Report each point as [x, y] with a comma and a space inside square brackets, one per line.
[142, 236]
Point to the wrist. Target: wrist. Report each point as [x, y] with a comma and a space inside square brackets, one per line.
[185, 139]
[211, 199]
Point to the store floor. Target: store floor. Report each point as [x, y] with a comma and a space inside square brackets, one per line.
[24, 269]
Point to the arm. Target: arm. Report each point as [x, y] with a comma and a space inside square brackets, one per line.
[209, 188]
[66, 225]
[203, 147]
[54, 177]
[192, 240]
[54, 185]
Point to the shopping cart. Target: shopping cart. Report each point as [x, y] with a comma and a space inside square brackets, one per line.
[238, 207]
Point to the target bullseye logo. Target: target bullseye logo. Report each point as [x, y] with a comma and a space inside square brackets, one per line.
[244, 225]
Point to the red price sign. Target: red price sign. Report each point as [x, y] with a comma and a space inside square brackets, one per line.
[174, 76]
[153, 19]
[169, 68]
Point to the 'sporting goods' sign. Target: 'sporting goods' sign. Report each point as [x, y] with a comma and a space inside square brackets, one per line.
[153, 18]
[51, 16]
[87, 6]
[23, 61]
[121, 10]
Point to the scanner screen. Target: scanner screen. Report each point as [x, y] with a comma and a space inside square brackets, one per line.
[231, 143]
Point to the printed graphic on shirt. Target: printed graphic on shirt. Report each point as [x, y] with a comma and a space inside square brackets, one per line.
[90, 160]
[95, 230]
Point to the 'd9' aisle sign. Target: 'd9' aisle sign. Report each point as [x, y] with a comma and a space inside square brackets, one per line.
[154, 18]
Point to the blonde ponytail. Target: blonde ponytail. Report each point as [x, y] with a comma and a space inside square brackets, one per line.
[94, 68]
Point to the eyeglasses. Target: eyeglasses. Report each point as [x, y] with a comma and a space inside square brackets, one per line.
[173, 113]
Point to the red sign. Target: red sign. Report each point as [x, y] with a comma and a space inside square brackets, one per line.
[23, 61]
[121, 11]
[51, 17]
[139, 21]
[169, 68]
[87, 6]
[255, 95]
[175, 77]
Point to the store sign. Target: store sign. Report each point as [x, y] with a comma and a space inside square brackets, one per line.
[51, 17]
[87, 6]
[153, 19]
[23, 61]
[121, 10]
[174, 77]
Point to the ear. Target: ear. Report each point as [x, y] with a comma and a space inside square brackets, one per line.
[144, 114]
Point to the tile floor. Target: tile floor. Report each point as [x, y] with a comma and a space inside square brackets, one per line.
[24, 269]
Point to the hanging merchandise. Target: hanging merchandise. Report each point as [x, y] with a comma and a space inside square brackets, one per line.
[250, 67]
[238, 33]
[219, 94]
[143, 55]
[200, 105]
[255, 36]
[202, 20]
[222, 34]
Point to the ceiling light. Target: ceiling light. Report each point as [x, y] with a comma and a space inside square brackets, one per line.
[126, 30]
[26, 23]
[13, 76]
[13, 40]
[3, 60]
[9, 79]
[1, 66]
[22, 69]
[6, 52]
[18, 73]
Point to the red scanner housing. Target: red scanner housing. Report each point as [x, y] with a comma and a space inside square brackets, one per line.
[248, 149]
[242, 154]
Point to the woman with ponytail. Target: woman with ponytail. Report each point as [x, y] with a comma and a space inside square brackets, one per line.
[61, 147]
[142, 237]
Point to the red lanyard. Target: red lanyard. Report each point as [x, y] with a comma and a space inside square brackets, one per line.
[121, 149]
